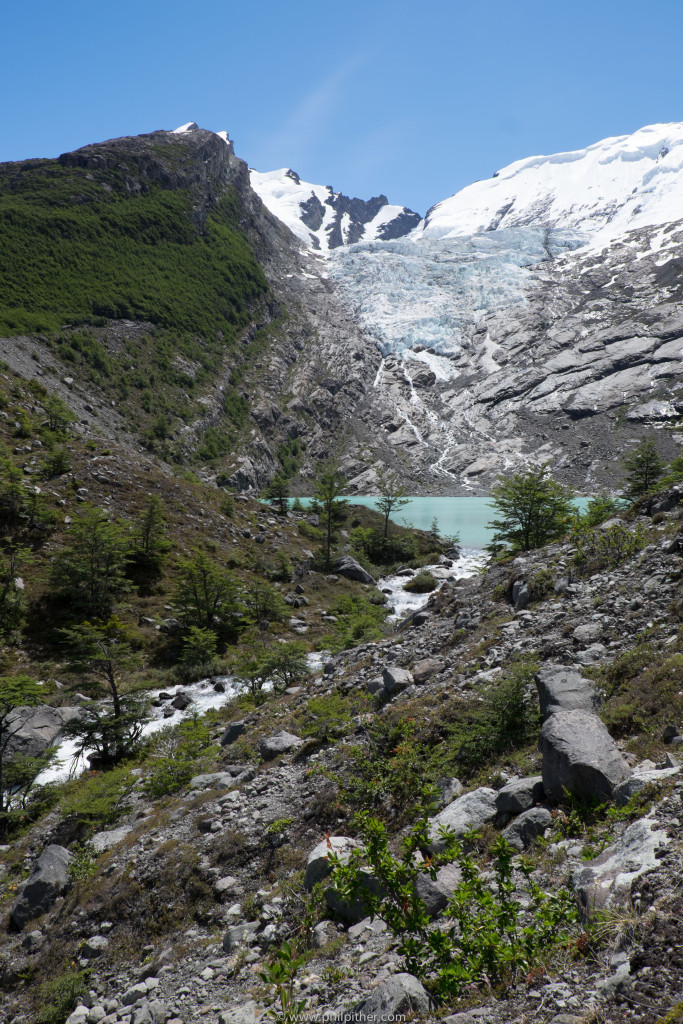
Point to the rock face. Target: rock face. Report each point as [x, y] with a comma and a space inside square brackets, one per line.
[564, 689]
[472, 810]
[352, 570]
[579, 755]
[48, 879]
[616, 868]
[40, 728]
[401, 995]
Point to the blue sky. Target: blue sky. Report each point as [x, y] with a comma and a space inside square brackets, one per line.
[414, 99]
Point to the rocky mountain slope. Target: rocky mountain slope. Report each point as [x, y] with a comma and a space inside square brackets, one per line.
[173, 909]
[521, 319]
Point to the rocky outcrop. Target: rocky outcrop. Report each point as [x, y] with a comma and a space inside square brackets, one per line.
[34, 729]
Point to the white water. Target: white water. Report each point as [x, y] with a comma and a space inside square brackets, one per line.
[405, 603]
[204, 698]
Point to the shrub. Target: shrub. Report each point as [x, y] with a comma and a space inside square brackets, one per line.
[422, 583]
[177, 755]
[482, 939]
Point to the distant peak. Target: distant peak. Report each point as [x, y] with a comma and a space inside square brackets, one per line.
[191, 126]
[293, 175]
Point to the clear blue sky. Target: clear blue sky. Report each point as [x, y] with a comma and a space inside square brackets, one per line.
[414, 98]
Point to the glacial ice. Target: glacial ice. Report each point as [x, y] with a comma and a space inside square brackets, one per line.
[424, 292]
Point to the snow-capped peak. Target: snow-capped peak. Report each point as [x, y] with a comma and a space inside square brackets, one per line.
[611, 187]
[325, 219]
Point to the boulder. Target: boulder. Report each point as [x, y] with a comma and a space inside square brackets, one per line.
[34, 729]
[472, 810]
[564, 689]
[436, 892]
[427, 667]
[233, 732]
[521, 595]
[48, 880]
[520, 795]
[94, 946]
[352, 570]
[396, 679]
[400, 995]
[639, 780]
[181, 701]
[318, 865]
[521, 832]
[272, 746]
[588, 632]
[580, 756]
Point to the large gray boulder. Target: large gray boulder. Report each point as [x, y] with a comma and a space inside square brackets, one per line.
[564, 689]
[318, 866]
[352, 570]
[436, 892]
[48, 880]
[272, 746]
[519, 795]
[396, 679]
[579, 755]
[470, 811]
[401, 994]
[37, 728]
[521, 832]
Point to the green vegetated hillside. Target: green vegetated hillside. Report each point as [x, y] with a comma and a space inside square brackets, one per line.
[77, 245]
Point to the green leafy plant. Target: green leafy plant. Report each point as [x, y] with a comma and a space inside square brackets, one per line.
[280, 975]
[497, 925]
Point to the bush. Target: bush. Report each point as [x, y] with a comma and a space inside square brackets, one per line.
[482, 938]
[58, 996]
[422, 583]
[179, 754]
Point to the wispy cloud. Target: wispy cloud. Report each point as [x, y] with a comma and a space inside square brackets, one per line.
[308, 122]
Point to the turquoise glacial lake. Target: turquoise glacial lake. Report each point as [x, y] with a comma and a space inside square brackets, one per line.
[466, 517]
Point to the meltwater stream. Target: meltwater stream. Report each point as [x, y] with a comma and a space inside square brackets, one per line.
[203, 695]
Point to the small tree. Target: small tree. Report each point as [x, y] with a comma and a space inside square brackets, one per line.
[15, 692]
[89, 571]
[264, 603]
[59, 415]
[150, 546]
[207, 595]
[392, 497]
[643, 467]
[12, 593]
[327, 487]
[277, 492]
[532, 509]
[105, 650]
[287, 664]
